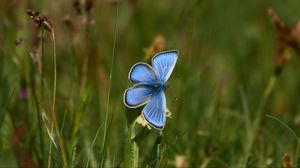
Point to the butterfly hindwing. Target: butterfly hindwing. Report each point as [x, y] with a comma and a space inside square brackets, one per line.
[137, 95]
[164, 63]
[142, 73]
[155, 111]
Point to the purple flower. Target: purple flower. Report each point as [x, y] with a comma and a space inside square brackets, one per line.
[23, 94]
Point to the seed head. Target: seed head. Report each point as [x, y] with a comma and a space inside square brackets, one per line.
[286, 38]
[41, 21]
[287, 161]
[77, 6]
[157, 46]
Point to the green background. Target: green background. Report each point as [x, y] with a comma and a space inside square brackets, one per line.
[226, 59]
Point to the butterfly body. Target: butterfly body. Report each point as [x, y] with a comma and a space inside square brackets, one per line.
[149, 83]
[158, 87]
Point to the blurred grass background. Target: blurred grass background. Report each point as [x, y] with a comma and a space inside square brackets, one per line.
[226, 58]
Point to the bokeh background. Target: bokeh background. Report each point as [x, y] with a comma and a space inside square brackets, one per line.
[227, 56]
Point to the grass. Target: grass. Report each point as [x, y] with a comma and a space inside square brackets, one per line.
[229, 108]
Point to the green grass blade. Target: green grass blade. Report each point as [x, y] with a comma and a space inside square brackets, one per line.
[131, 149]
[5, 105]
[103, 147]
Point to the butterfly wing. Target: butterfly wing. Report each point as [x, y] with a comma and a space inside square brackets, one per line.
[142, 73]
[155, 111]
[164, 63]
[137, 95]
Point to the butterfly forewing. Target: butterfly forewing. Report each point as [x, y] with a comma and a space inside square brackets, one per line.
[142, 73]
[137, 95]
[155, 111]
[164, 63]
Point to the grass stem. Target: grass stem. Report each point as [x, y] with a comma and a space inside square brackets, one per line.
[103, 147]
[39, 123]
[53, 115]
[42, 64]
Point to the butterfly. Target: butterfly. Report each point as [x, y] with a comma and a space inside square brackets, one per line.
[149, 83]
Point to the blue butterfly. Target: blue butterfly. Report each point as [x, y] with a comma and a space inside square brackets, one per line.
[149, 83]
